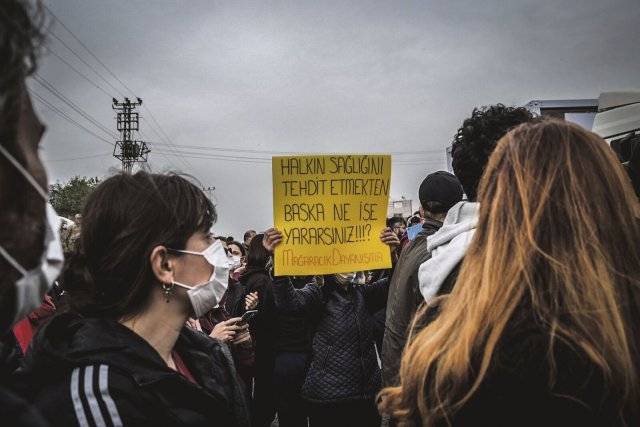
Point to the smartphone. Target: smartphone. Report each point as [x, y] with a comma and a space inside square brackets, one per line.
[249, 315]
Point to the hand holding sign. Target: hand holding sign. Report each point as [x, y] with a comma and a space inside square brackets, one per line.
[272, 238]
[390, 238]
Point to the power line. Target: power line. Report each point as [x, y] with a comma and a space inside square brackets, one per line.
[166, 138]
[204, 156]
[66, 117]
[71, 104]
[79, 158]
[84, 62]
[271, 152]
[168, 141]
[79, 72]
[221, 157]
[90, 51]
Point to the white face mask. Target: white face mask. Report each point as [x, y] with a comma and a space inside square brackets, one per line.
[235, 262]
[35, 283]
[205, 297]
[357, 278]
[345, 278]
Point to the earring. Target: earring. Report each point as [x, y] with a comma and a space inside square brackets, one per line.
[167, 287]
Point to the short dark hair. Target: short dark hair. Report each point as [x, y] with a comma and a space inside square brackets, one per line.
[395, 220]
[477, 138]
[238, 244]
[434, 207]
[124, 219]
[248, 234]
[257, 255]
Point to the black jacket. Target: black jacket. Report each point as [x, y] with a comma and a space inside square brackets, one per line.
[344, 366]
[13, 408]
[277, 328]
[262, 325]
[87, 371]
[403, 302]
[518, 389]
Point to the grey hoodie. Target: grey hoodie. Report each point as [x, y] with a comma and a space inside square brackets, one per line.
[448, 247]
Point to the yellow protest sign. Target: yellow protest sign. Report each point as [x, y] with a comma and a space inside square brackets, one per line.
[330, 210]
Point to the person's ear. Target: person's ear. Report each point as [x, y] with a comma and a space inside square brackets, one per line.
[161, 264]
[421, 211]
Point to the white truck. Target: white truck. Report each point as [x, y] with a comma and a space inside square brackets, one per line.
[615, 116]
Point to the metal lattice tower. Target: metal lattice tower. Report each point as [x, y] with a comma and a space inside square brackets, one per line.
[129, 150]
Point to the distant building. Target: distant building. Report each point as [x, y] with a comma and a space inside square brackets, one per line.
[402, 207]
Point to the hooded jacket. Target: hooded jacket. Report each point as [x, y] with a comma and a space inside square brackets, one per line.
[448, 247]
[97, 372]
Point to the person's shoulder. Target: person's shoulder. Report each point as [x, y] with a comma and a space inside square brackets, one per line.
[18, 410]
[91, 392]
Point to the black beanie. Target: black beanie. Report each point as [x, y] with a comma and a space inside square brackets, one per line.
[441, 187]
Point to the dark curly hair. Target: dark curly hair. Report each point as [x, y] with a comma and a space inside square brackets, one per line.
[476, 139]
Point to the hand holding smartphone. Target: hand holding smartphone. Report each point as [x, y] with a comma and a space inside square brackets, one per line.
[249, 315]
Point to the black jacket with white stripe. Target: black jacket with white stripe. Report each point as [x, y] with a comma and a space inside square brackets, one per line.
[96, 372]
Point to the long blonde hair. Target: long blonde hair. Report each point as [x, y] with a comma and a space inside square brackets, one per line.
[558, 230]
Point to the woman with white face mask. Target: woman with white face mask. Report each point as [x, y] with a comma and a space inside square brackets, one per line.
[146, 262]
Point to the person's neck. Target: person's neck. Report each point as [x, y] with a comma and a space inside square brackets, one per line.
[435, 217]
[160, 325]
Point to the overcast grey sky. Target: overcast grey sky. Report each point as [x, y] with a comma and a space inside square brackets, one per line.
[274, 77]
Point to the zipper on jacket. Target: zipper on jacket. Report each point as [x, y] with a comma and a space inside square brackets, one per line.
[326, 358]
[355, 311]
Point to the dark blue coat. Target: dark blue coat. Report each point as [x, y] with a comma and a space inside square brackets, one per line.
[344, 366]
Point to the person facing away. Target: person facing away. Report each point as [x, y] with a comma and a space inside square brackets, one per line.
[472, 146]
[122, 354]
[542, 326]
[30, 251]
[438, 192]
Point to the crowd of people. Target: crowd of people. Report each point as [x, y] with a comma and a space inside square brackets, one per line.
[516, 303]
